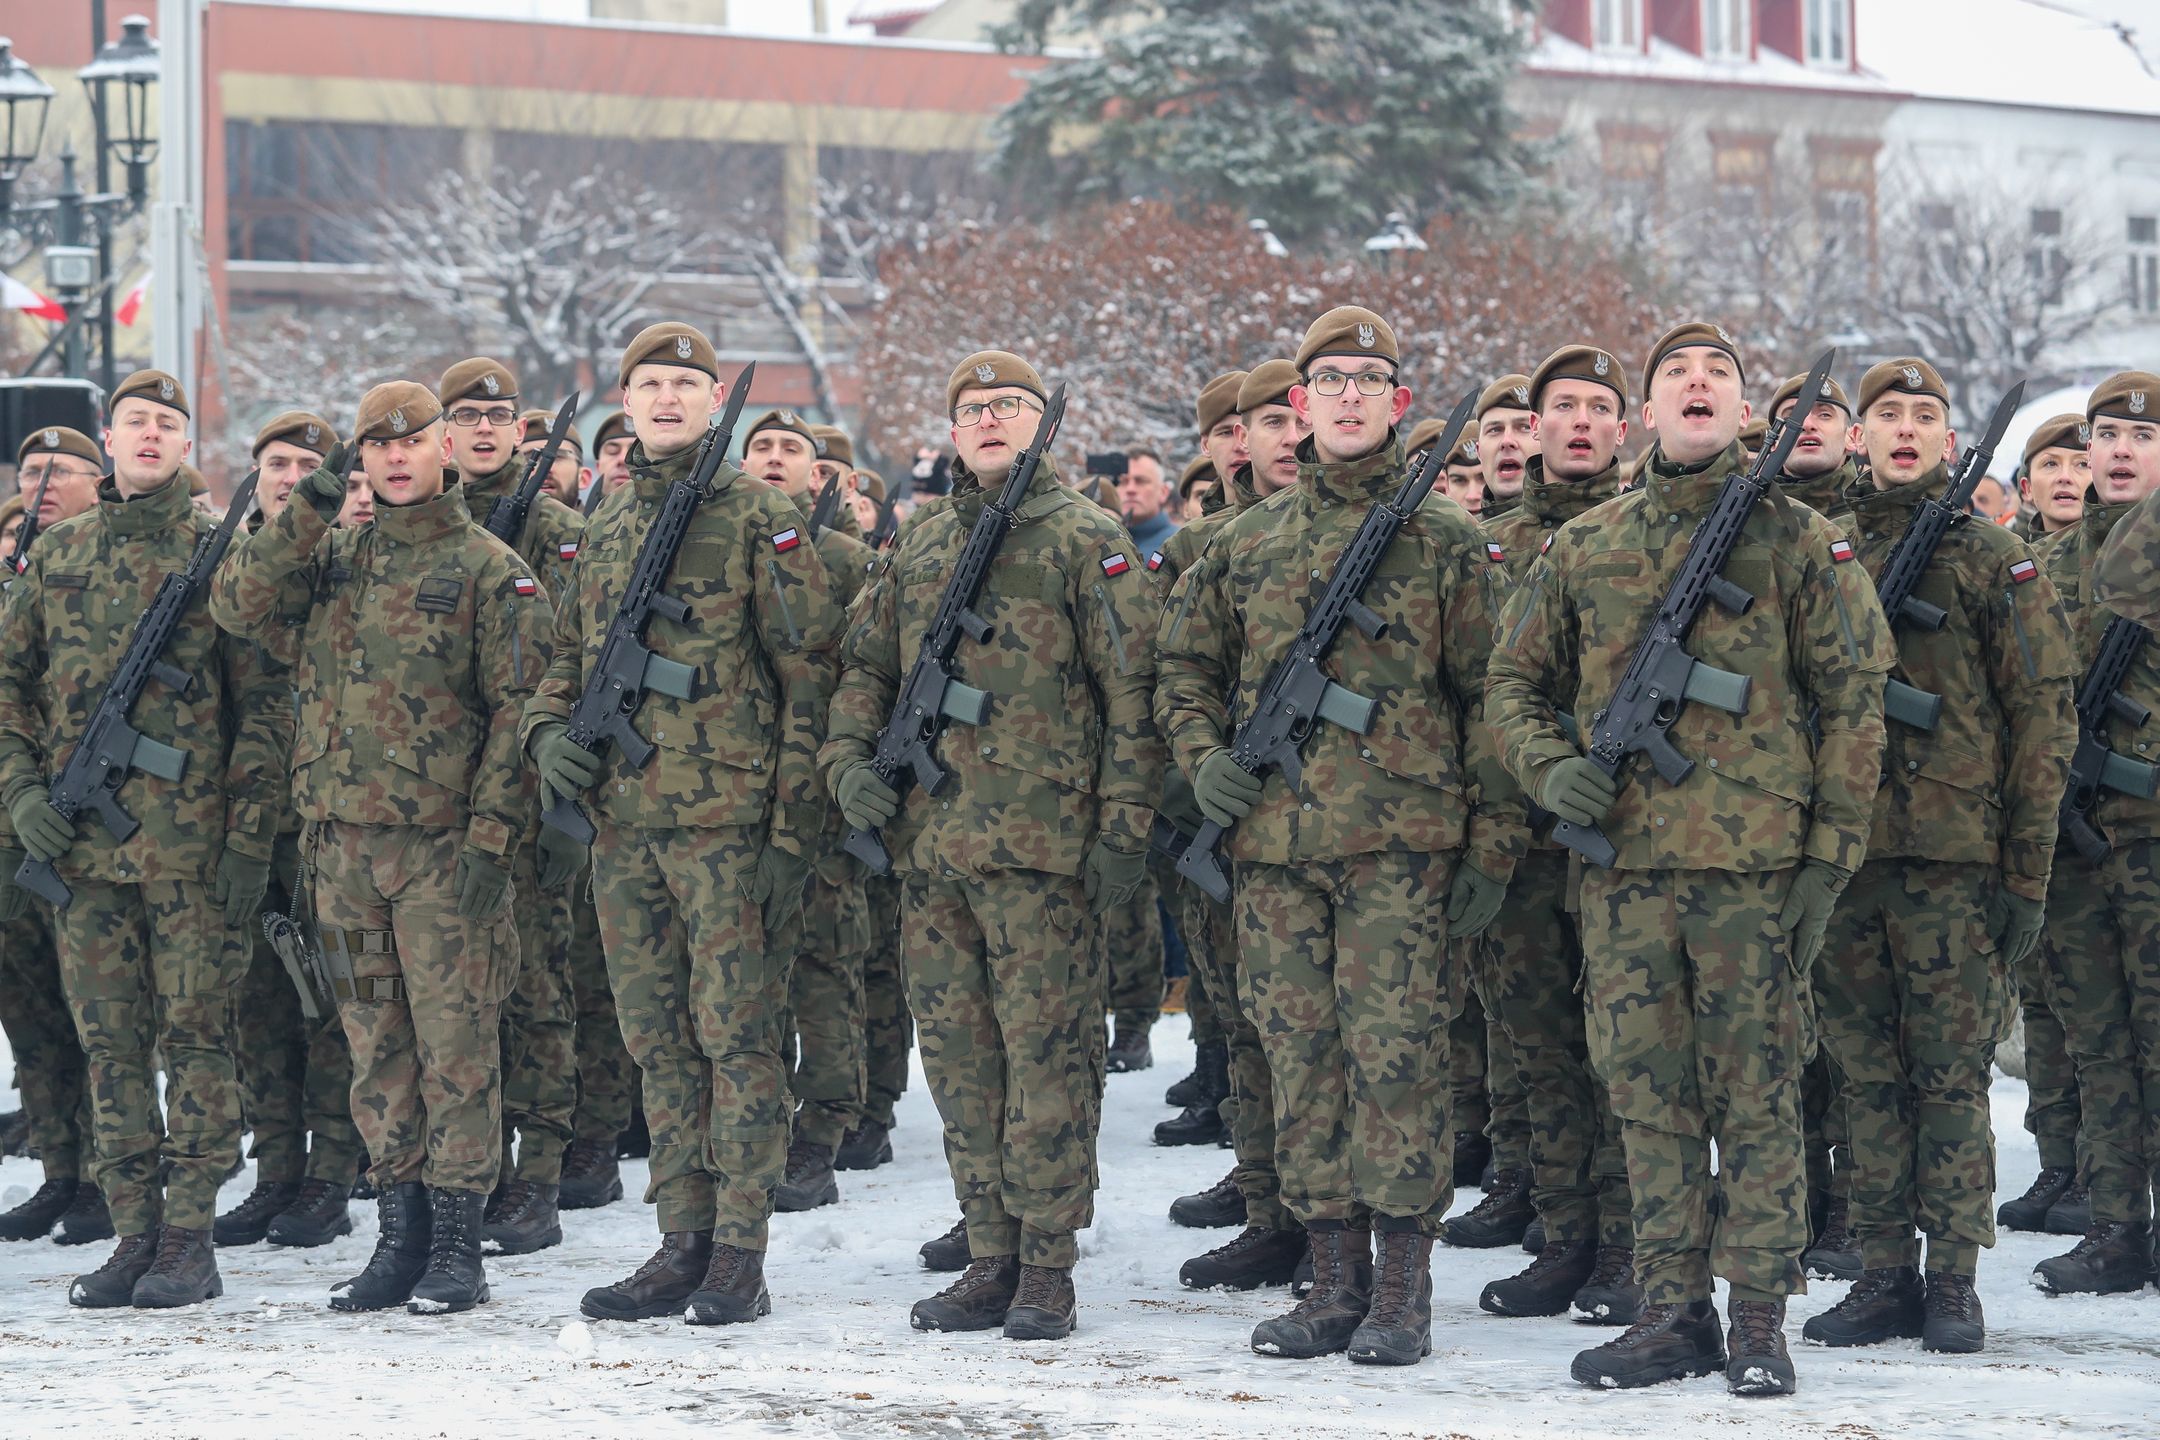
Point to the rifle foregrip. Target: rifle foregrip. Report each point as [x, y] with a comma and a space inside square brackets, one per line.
[565, 816]
[1918, 612]
[40, 879]
[1587, 841]
[1200, 865]
[866, 846]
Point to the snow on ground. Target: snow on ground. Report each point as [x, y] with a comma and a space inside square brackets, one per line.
[837, 1357]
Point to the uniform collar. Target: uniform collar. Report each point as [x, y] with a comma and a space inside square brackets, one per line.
[1685, 488]
[144, 514]
[1044, 492]
[1237, 491]
[1340, 482]
[1896, 504]
[1555, 502]
[2098, 520]
[1825, 492]
[496, 482]
[429, 520]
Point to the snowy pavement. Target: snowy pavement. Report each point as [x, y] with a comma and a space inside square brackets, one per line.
[837, 1357]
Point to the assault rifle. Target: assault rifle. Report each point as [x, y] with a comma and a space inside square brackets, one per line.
[506, 519]
[27, 532]
[2094, 766]
[1662, 677]
[304, 963]
[930, 697]
[626, 667]
[111, 747]
[1297, 693]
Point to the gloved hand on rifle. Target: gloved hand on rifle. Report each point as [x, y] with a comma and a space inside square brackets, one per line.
[566, 768]
[44, 832]
[1226, 790]
[866, 802]
[1577, 791]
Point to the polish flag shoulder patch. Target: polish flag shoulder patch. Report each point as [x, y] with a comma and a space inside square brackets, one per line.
[525, 585]
[567, 550]
[1154, 561]
[1841, 550]
[1494, 553]
[1116, 565]
[1548, 543]
[787, 540]
[2023, 571]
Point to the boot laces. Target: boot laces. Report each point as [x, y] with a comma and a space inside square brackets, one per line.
[266, 1199]
[583, 1160]
[1252, 1237]
[984, 1273]
[654, 1264]
[1760, 1327]
[1951, 1297]
[1394, 1278]
[1504, 1193]
[1655, 1321]
[726, 1265]
[315, 1192]
[801, 1156]
[172, 1251]
[1615, 1266]
[1038, 1286]
[131, 1246]
[2097, 1235]
[2049, 1178]
[1552, 1257]
[449, 1237]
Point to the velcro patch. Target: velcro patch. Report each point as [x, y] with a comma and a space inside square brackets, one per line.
[66, 581]
[1116, 565]
[440, 595]
[1154, 561]
[1841, 550]
[1494, 553]
[524, 585]
[2023, 571]
[1547, 543]
[567, 550]
[787, 540]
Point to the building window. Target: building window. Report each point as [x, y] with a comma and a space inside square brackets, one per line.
[1617, 24]
[2044, 263]
[1725, 30]
[2145, 264]
[1829, 35]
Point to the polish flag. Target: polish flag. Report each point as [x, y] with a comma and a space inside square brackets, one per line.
[131, 307]
[14, 295]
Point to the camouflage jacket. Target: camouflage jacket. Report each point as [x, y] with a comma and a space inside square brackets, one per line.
[1424, 778]
[1984, 785]
[1828, 494]
[1762, 796]
[63, 630]
[2074, 559]
[1068, 751]
[416, 639]
[549, 543]
[2126, 578]
[1173, 560]
[760, 636]
[849, 562]
[1498, 507]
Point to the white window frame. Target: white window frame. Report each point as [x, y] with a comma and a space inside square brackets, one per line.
[1727, 29]
[1616, 24]
[1826, 33]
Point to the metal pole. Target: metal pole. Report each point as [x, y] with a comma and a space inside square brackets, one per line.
[176, 296]
[103, 128]
[67, 230]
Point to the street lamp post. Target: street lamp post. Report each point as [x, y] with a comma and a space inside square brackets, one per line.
[133, 61]
[26, 99]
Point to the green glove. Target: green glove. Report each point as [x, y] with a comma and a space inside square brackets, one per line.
[1472, 902]
[560, 858]
[1577, 791]
[44, 832]
[1806, 916]
[1110, 877]
[778, 886]
[324, 487]
[566, 767]
[1226, 790]
[2015, 922]
[865, 801]
[483, 883]
[239, 886]
[14, 900]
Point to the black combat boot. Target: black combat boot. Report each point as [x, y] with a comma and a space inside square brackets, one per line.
[401, 1252]
[1669, 1342]
[948, 1254]
[1254, 1257]
[1129, 1051]
[977, 1300]
[454, 1279]
[184, 1272]
[733, 1290]
[1044, 1307]
[2072, 1214]
[1219, 1205]
[1322, 1323]
[1955, 1323]
[1473, 1152]
[1498, 1219]
[2112, 1258]
[36, 1216]
[1835, 1253]
[809, 1181]
[1183, 1092]
[525, 1220]
[87, 1221]
[1610, 1296]
[1884, 1304]
[363, 1185]
[1548, 1287]
[591, 1177]
[1397, 1328]
[112, 1284]
[1200, 1122]
[249, 1221]
[15, 1134]
[1760, 1364]
[865, 1147]
[1533, 1239]
[2029, 1211]
[661, 1286]
[318, 1215]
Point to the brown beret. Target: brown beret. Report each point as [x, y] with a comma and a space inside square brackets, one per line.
[1579, 362]
[615, 427]
[1683, 337]
[535, 424]
[394, 409]
[1347, 330]
[153, 385]
[1217, 401]
[196, 485]
[1422, 435]
[303, 428]
[2126, 395]
[780, 420]
[833, 444]
[1465, 450]
[1908, 375]
[1789, 389]
[872, 484]
[1509, 392]
[1267, 383]
[1751, 434]
[2057, 432]
[1197, 469]
[988, 368]
[668, 343]
[476, 379]
[59, 440]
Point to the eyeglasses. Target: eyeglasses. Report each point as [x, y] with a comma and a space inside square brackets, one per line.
[1005, 407]
[465, 417]
[1334, 382]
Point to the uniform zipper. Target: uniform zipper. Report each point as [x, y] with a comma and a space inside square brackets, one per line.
[787, 616]
[1530, 600]
[2017, 623]
[1117, 635]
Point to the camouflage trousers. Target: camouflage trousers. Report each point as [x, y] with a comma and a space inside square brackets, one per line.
[49, 1066]
[699, 993]
[1695, 1023]
[152, 968]
[2103, 948]
[1531, 966]
[1913, 998]
[1208, 1028]
[1249, 1110]
[1485, 1073]
[606, 1076]
[823, 948]
[1822, 1121]
[1005, 981]
[2052, 1112]
[1344, 964]
[295, 1074]
[1132, 940]
[539, 1033]
[888, 1027]
[425, 1021]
